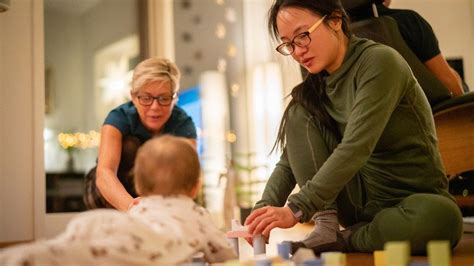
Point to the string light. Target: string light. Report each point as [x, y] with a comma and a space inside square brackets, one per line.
[222, 65]
[231, 137]
[234, 89]
[230, 15]
[220, 31]
[231, 50]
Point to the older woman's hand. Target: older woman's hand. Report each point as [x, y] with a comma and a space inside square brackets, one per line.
[263, 220]
[134, 202]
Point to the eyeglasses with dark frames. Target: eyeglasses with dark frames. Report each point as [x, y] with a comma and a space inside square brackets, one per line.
[163, 100]
[300, 40]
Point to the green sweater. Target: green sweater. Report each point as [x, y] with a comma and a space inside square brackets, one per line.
[388, 137]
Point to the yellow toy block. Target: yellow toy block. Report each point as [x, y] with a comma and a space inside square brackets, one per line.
[397, 253]
[238, 263]
[379, 258]
[333, 258]
[439, 253]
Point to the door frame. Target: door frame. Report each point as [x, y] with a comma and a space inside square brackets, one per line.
[159, 41]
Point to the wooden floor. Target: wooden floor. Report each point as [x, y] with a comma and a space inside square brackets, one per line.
[463, 254]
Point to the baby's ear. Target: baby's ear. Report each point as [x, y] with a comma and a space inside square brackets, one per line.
[195, 190]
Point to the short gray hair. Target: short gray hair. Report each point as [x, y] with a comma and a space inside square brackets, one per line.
[155, 69]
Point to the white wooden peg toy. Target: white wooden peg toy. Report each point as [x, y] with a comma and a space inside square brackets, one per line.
[240, 231]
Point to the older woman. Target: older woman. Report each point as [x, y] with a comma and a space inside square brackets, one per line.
[151, 112]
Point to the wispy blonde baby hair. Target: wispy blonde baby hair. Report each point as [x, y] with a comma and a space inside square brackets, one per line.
[166, 165]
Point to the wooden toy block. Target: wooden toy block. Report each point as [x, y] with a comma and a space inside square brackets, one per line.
[397, 253]
[379, 258]
[259, 245]
[313, 262]
[333, 258]
[260, 260]
[282, 263]
[302, 255]
[237, 263]
[234, 242]
[263, 262]
[273, 259]
[237, 234]
[439, 253]
[418, 263]
[284, 249]
[238, 231]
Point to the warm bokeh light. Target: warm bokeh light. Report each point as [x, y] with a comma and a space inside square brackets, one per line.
[231, 137]
[79, 140]
[234, 89]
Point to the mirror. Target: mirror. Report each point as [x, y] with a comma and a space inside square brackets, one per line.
[231, 79]
[91, 46]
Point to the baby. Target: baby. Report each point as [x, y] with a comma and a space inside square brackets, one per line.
[165, 227]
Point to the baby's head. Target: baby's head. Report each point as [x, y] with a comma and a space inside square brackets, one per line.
[165, 166]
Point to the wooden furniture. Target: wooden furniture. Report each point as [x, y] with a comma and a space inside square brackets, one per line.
[453, 116]
[455, 129]
[64, 192]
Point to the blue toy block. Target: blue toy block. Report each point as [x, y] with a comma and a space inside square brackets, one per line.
[284, 249]
[314, 262]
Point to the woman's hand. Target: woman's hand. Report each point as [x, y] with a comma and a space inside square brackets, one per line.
[263, 220]
[107, 182]
[134, 202]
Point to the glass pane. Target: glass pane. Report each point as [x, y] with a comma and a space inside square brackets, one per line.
[91, 46]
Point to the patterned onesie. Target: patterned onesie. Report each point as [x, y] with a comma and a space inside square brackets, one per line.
[157, 231]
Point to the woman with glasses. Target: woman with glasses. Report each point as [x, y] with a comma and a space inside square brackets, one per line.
[151, 112]
[358, 139]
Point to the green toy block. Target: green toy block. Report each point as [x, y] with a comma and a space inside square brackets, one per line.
[439, 253]
[397, 253]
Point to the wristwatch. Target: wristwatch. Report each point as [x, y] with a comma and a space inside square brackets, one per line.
[297, 213]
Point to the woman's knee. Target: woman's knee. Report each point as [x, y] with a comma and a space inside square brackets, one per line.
[92, 197]
[434, 217]
[419, 218]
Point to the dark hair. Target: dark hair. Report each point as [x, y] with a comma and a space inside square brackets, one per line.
[311, 93]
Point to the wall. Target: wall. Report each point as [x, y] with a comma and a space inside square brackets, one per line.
[18, 97]
[200, 48]
[64, 71]
[231, 37]
[106, 23]
[72, 40]
[63, 58]
[22, 182]
[453, 24]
